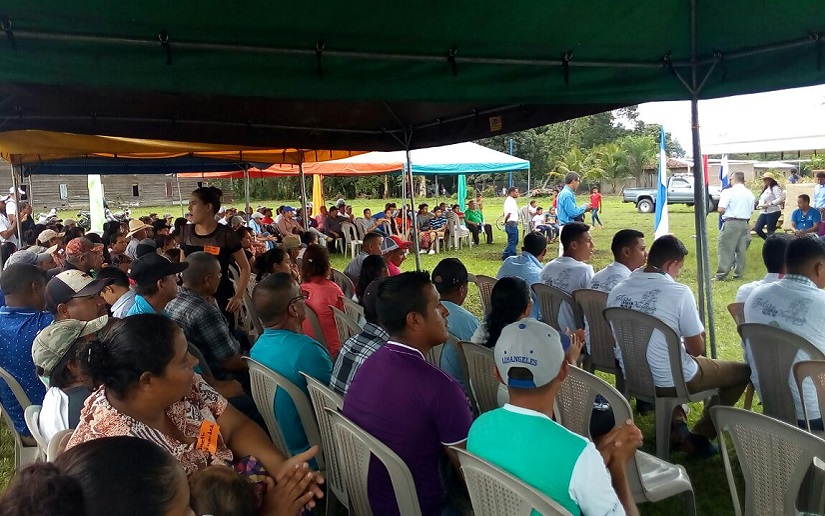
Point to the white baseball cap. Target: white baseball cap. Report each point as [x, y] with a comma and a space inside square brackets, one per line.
[531, 345]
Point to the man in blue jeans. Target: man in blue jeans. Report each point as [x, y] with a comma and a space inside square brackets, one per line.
[511, 223]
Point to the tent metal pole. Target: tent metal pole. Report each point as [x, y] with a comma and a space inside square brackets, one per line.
[303, 195]
[404, 223]
[414, 229]
[16, 186]
[246, 186]
[180, 195]
[700, 194]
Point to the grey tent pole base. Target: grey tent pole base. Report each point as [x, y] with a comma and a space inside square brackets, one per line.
[16, 186]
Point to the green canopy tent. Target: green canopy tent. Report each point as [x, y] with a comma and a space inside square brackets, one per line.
[387, 75]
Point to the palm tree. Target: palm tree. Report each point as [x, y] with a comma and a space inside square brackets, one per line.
[637, 151]
[609, 158]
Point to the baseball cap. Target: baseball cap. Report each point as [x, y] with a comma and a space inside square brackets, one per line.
[237, 220]
[221, 210]
[80, 246]
[48, 234]
[531, 345]
[69, 222]
[291, 242]
[257, 215]
[55, 340]
[388, 245]
[28, 257]
[288, 208]
[160, 224]
[71, 284]
[43, 249]
[152, 267]
[400, 242]
[146, 246]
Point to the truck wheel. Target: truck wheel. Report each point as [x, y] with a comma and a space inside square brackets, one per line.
[645, 206]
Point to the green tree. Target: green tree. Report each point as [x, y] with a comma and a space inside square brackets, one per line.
[611, 162]
[637, 151]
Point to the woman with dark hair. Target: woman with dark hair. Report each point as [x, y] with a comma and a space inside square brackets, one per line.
[373, 267]
[510, 301]
[6, 250]
[274, 261]
[148, 389]
[205, 234]
[119, 475]
[323, 293]
[770, 206]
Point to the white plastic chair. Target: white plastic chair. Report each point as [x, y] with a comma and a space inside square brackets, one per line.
[632, 331]
[551, 300]
[315, 324]
[353, 310]
[344, 324]
[457, 232]
[815, 370]
[775, 458]
[651, 478]
[495, 492]
[322, 398]
[481, 368]
[32, 416]
[343, 281]
[58, 444]
[355, 448]
[591, 304]
[265, 384]
[353, 242]
[22, 454]
[485, 286]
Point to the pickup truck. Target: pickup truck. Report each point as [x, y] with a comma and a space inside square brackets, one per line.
[679, 191]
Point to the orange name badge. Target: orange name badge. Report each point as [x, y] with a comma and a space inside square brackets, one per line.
[208, 437]
[212, 249]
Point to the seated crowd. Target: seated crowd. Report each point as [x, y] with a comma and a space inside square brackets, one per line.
[110, 327]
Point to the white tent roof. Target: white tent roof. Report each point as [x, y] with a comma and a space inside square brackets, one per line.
[755, 146]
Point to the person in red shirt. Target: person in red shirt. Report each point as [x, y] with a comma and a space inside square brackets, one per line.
[596, 205]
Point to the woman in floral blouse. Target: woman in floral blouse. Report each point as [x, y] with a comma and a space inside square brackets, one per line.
[148, 389]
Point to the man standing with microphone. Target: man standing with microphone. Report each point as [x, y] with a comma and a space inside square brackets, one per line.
[511, 223]
[566, 209]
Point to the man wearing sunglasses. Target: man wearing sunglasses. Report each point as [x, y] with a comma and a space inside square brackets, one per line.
[279, 301]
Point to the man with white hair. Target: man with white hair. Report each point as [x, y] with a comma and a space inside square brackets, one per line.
[735, 207]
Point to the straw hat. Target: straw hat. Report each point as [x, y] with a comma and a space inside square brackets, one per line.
[136, 225]
[768, 175]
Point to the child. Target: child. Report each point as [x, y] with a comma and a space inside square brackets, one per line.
[539, 224]
[596, 206]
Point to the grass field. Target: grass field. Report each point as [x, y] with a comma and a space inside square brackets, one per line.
[707, 476]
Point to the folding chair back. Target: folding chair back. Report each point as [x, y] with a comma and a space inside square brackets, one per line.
[58, 444]
[315, 324]
[494, 492]
[22, 454]
[632, 331]
[592, 303]
[485, 286]
[774, 456]
[265, 384]
[343, 281]
[353, 309]
[351, 239]
[355, 448]
[206, 371]
[32, 415]
[550, 305]
[815, 371]
[344, 324]
[773, 352]
[737, 311]
[322, 398]
[481, 366]
[257, 326]
[651, 479]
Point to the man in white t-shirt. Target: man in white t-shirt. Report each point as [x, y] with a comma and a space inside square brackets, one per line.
[629, 253]
[796, 303]
[522, 439]
[511, 223]
[8, 228]
[569, 272]
[735, 207]
[653, 290]
[773, 254]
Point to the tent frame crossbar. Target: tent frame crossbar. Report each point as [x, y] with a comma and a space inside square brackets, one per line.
[565, 60]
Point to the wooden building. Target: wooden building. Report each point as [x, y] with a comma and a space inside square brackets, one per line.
[72, 191]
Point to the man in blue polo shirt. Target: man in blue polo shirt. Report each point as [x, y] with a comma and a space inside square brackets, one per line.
[279, 302]
[21, 320]
[527, 265]
[805, 219]
[414, 408]
[522, 439]
[155, 280]
[566, 209]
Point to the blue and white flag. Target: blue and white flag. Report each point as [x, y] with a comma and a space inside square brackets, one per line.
[661, 223]
[724, 172]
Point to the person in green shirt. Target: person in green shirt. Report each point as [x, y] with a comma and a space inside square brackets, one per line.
[474, 219]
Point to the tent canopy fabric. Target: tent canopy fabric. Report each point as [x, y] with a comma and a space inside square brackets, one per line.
[815, 142]
[35, 147]
[381, 75]
[455, 159]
